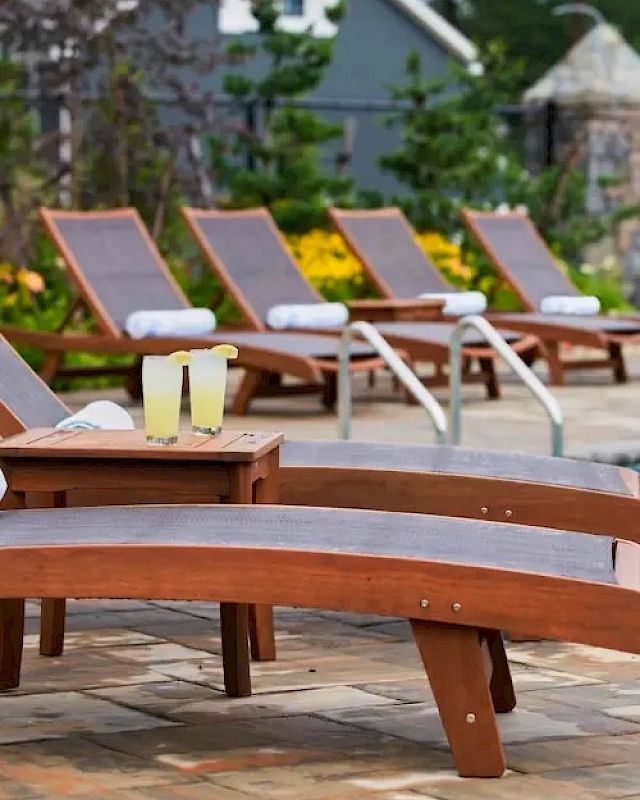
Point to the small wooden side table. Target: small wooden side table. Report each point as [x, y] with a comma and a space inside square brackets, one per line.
[43, 467]
[395, 310]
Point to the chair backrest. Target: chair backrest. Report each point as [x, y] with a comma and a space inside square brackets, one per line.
[520, 255]
[114, 263]
[25, 400]
[248, 253]
[384, 242]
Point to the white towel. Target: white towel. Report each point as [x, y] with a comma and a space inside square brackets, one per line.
[309, 315]
[585, 306]
[458, 304]
[99, 415]
[185, 322]
[3, 485]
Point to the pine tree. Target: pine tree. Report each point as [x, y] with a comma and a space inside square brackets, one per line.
[278, 166]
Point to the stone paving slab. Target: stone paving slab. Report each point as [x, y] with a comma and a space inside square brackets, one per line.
[305, 735]
[345, 713]
[63, 714]
[187, 702]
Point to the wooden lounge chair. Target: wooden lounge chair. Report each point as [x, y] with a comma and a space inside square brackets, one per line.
[384, 243]
[452, 481]
[522, 258]
[517, 488]
[459, 583]
[247, 252]
[117, 269]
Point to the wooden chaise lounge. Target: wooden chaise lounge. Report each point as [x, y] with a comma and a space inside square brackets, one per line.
[247, 252]
[485, 485]
[521, 257]
[117, 269]
[432, 479]
[459, 583]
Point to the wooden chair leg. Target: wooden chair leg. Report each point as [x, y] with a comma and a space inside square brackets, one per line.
[456, 668]
[50, 366]
[11, 632]
[52, 614]
[234, 625]
[330, 390]
[488, 369]
[554, 363]
[134, 381]
[261, 633]
[246, 392]
[619, 367]
[500, 684]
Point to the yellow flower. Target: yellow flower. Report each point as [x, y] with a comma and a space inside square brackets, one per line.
[446, 255]
[324, 258]
[33, 281]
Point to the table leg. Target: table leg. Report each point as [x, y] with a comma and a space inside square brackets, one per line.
[52, 611]
[11, 637]
[234, 617]
[234, 622]
[261, 630]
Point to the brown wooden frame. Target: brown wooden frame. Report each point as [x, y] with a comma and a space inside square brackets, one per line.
[417, 350]
[486, 355]
[456, 611]
[551, 335]
[216, 262]
[545, 505]
[336, 216]
[260, 362]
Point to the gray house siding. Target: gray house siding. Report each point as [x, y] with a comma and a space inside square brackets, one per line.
[371, 48]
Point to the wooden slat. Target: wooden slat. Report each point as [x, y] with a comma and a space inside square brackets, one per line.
[228, 446]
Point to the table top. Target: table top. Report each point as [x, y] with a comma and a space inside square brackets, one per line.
[228, 446]
[396, 310]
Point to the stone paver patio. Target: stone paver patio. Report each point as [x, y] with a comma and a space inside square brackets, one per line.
[134, 709]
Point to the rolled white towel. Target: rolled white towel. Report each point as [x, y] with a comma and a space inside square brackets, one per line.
[99, 415]
[584, 306]
[458, 304]
[308, 315]
[184, 322]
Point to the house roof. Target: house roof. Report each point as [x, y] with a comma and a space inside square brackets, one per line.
[449, 37]
[600, 68]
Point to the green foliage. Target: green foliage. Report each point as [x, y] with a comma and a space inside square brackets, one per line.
[452, 152]
[604, 281]
[21, 174]
[531, 31]
[278, 166]
[128, 160]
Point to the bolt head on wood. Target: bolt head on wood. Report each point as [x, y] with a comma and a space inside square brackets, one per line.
[508, 513]
[424, 603]
[456, 607]
[484, 510]
[471, 718]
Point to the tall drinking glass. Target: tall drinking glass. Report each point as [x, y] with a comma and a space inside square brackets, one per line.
[161, 393]
[207, 386]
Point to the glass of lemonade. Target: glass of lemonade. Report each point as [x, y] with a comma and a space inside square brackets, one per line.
[207, 386]
[162, 393]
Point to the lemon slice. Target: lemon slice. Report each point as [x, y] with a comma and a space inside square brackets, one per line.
[182, 357]
[225, 350]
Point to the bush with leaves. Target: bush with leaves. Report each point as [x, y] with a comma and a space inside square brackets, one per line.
[455, 153]
[278, 166]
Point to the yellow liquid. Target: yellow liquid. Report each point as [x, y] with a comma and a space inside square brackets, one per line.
[207, 406]
[161, 415]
